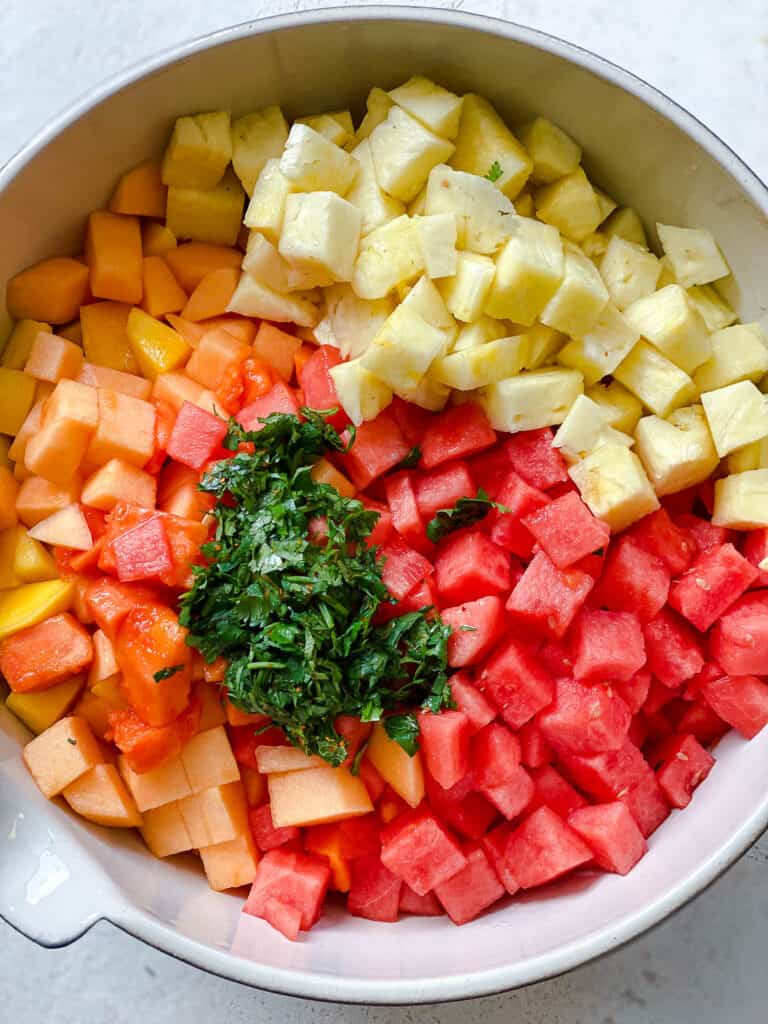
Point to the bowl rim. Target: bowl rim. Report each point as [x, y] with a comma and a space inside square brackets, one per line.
[436, 989]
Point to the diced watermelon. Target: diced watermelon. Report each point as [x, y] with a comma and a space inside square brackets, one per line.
[442, 488]
[704, 533]
[517, 684]
[702, 722]
[673, 650]
[646, 803]
[403, 568]
[495, 846]
[280, 398]
[444, 744]
[658, 697]
[412, 420]
[556, 658]
[377, 448]
[611, 833]
[711, 670]
[634, 691]
[383, 528]
[534, 749]
[401, 498]
[461, 807]
[666, 540]
[715, 580]
[427, 905]
[607, 646]
[374, 892]
[468, 698]
[585, 719]
[685, 764]
[567, 530]
[533, 457]
[543, 848]
[755, 550]
[553, 791]
[608, 775]
[265, 835]
[472, 889]
[741, 701]
[143, 552]
[468, 565]
[512, 797]
[423, 595]
[195, 436]
[506, 528]
[420, 850]
[657, 726]
[739, 641]
[634, 579]
[359, 837]
[547, 598]
[287, 878]
[495, 756]
[371, 779]
[316, 382]
[475, 628]
[490, 470]
[459, 431]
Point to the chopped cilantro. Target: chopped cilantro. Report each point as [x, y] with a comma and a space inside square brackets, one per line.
[167, 672]
[465, 512]
[495, 171]
[411, 459]
[404, 729]
[72, 741]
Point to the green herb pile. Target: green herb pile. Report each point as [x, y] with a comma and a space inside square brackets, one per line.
[295, 618]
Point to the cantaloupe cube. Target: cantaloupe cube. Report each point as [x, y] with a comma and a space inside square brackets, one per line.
[285, 759]
[126, 429]
[188, 502]
[39, 498]
[9, 493]
[215, 815]
[230, 864]
[39, 711]
[61, 754]
[164, 830]
[208, 760]
[104, 664]
[95, 705]
[212, 713]
[190, 332]
[105, 337]
[216, 353]
[19, 344]
[51, 290]
[32, 562]
[72, 402]
[156, 239]
[255, 785]
[403, 773]
[156, 346]
[315, 796]
[118, 480]
[162, 292]
[17, 394]
[176, 388]
[163, 785]
[51, 358]
[276, 347]
[66, 528]
[56, 452]
[100, 796]
[325, 473]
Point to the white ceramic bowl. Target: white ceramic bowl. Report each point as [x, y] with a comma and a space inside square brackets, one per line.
[57, 874]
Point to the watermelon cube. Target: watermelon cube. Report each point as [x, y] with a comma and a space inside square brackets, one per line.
[461, 807]
[702, 722]
[143, 552]
[516, 683]
[646, 803]
[374, 891]
[741, 701]
[263, 830]
[411, 419]
[495, 756]
[567, 530]
[716, 579]
[755, 550]
[317, 384]
[490, 470]
[383, 528]
[468, 566]
[634, 579]
[427, 905]
[543, 848]
[533, 457]
[606, 776]
[634, 691]
[444, 744]
[661, 537]
[377, 448]
[359, 837]
[403, 568]
[673, 651]
[195, 436]
[417, 848]
[456, 433]
[512, 797]
[556, 658]
[534, 749]
[468, 698]
[507, 528]
[684, 765]
[585, 719]
[611, 833]
[495, 845]
[547, 599]
[607, 646]
[289, 879]
[739, 641]
[472, 889]
[475, 628]
[280, 398]
[551, 790]
[442, 488]
[704, 534]
[406, 519]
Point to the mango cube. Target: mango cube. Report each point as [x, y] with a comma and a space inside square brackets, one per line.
[693, 254]
[256, 138]
[164, 831]
[32, 562]
[553, 152]
[267, 206]
[199, 150]
[17, 393]
[613, 483]
[737, 415]
[485, 140]
[105, 336]
[741, 500]
[668, 319]
[162, 785]
[738, 353]
[431, 104]
[314, 164]
[315, 796]
[61, 754]
[529, 269]
[655, 380]
[677, 452]
[39, 711]
[19, 344]
[31, 603]
[320, 236]
[207, 215]
[156, 346]
[571, 205]
[230, 864]
[629, 271]
[532, 400]
[208, 760]
[576, 306]
[99, 795]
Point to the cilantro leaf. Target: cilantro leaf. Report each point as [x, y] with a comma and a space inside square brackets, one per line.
[495, 171]
[403, 729]
[167, 672]
[411, 459]
[465, 512]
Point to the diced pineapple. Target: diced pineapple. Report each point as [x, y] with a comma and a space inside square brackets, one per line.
[574, 355]
[737, 415]
[476, 367]
[625, 223]
[437, 237]
[485, 217]
[264, 263]
[577, 304]
[741, 500]
[594, 246]
[350, 323]
[677, 452]
[378, 106]
[401, 352]
[484, 141]
[738, 353]
[715, 311]
[667, 275]
[622, 408]
[607, 205]
[256, 138]
[524, 205]
[333, 126]
[207, 215]
[39, 711]
[655, 380]
[388, 257]
[314, 164]
[484, 329]
[320, 236]
[585, 429]
[693, 253]
[362, 395]
[529, 270]
[630, 272]
[541, 398]
[554, 154]
[751, 456]
[199, 151]
[602, 348]
[613, 483]
[427, 301]
[543, 344]
[569, 204]
[436, 107]
[418, 207]
[404, 152]
[465, 293]
[251, 298]
[668, 319]
[428, 394]
[267, 206]
[375, 206]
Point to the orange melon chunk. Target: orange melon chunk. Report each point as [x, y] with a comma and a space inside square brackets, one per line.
[164, 830]
[74, 403]
[115, 380]
[157, 239]
[230, 864]
[52, 291]
[162, 785]
[140, 192]
[162, 292]
[39, 498]
[126, 429]
[61, 754]
[99, 795]
[216, 353]
[323, 472]
[276, 347]
[191, 261]
[239, 327]
[176, 388]
[404, 774]
[215, 815]
[191, 333]
[9, 493]
[56, 452]
[66, 528]
[285, 759]
[211, 296]
[104, 664]
[118, 480]
[52, 358]
[105, 336]
[113, 253]
[208, 760]
[315, 796]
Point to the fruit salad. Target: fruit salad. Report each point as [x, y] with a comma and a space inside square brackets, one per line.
[382, 518]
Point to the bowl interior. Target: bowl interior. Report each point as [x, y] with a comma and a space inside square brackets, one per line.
[58, 874]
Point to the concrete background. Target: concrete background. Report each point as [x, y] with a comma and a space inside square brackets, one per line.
[705, 965]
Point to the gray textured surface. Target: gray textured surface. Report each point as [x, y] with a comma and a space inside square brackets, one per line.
[706, 964]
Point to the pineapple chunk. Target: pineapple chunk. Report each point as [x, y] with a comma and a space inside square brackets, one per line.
[626, 224]
[543, 344]
[667, 275]
[428, 394]
[577, 304]
[418, 207]
[715, 311]
[484, 329]
[601, 350]
[404, 152]
[541, 398]
[263, 262]
[375, 206]
[570, 205]
[436, 107]
[737, 415]
[751, 456]
[425, 299]
[738, 353]
[613, 483]
[693, 253]
[320, 236]
[350, 324]
[554, 154]
[198, 152]
[207, 215]
[476, 367]
[741, 500]
[401, 352]
[256, 138]
[362, 395]
[629, 271]
[585, 429]
[677, 452]
[437, 237]
[466, 292]
[378, 106]
[529, 270]
[484, 140]
[655, 380]
[622, 408]
[100, 796]
[594, 246]
[485, 218]
[524, 205]
[668, 319]
[267, 206]
[314, 164]
[607, 205]
[251, 298]
[335, 127]
[388, 257]
[574, 355]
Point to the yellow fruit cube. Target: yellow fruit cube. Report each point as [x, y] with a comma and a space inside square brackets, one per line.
[741, 500]
[404, 152]
[738, 353]
[215, 815]
[465, 294]
[351, 323]
[668, 319]
[524, 206]
[199, 150]
[39, 711]
[581, 297]
[208, 760]
[285, 759]
[377, 106]
[476, 367]
[485, 142]
[156, 346]
[29, 604]
[161, 785]
[589, 364]
[482, 330]
[571, 205]
[625, 223]
[621, 407]
[677, 452]
[230, 864]
[543, 345]
[207, 215]
[532, 400]
[713, 308]
[19, 344]
[436, 107]
[613, 483]
[529, 269]
[32, 562]
[629, 271]
[554, 154]
[655, 380]
[485, 217]
[5, 456]
[316, 796]
[17, 393]
[375, 206]
[337, 127]
[256, 138]
[314, 164]
[751, 456]
[320, 236]
[401, 352]
[428, 394]
[8, 575]
[251, 298]
[585, 429]
[607, 205]
[267, 206]
[437, 237]
[405, 774]
[362, 395]
[389, 256]
[693, 254]
[99, 795]
[61, 754]
[156, 239]
[164, 831]
[737, 415]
